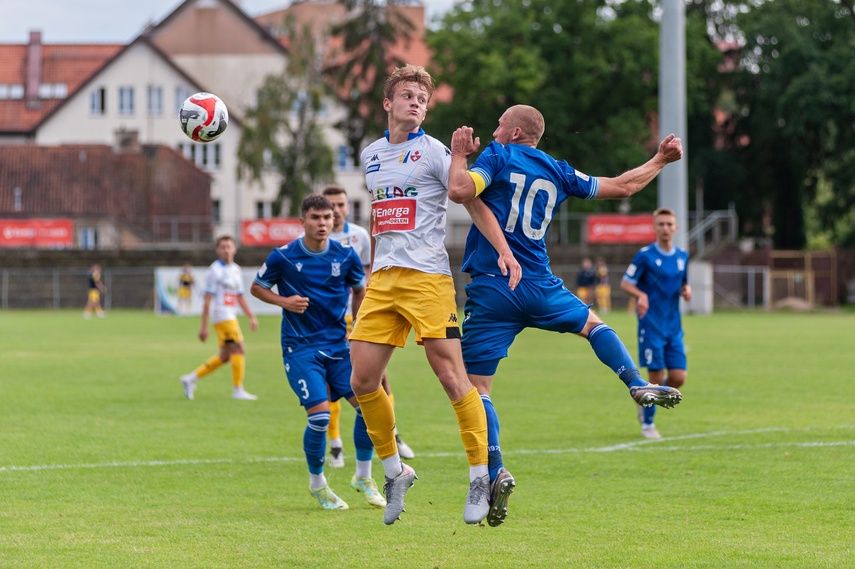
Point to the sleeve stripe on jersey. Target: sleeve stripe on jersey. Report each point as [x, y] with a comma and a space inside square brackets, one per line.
[595, 188]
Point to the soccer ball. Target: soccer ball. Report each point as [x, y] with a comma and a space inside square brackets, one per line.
[204, 117]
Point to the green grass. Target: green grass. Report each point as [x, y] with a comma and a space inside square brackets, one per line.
[103, 463]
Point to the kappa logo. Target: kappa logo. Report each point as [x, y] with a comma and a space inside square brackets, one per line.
[453, 318]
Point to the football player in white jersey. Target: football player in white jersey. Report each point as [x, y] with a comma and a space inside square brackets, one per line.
[406, 172]
[223, 293]
[357, 238]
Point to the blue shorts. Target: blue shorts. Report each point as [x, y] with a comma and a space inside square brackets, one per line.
[494, 315]
[310, 369]
[657, 351]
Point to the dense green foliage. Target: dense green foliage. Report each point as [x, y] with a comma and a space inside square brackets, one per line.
[797, 112]
[591, 67]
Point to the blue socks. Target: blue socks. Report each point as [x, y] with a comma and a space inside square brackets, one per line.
[361, 440]
[494, 451]
[611, 351]
[315, 441]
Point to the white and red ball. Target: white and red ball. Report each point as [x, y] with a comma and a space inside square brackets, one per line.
[204, 117]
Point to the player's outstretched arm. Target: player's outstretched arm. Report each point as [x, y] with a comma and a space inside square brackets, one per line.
[630, 182]
[488, 225]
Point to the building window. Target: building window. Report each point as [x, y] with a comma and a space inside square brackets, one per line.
[263, 210]
[356, 212]
[53, 90]
[19, 203]
[155, 101]
[204, 156]
[88, 237]
[215, 211]
[98, 101]
[126, 100]
[343, 155]
[11, 91]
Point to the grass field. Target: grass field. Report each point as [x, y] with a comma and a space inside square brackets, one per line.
[103, 463]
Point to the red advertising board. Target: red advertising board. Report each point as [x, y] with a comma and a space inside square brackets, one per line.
[617, 228]
[270, 232]
[37, 233]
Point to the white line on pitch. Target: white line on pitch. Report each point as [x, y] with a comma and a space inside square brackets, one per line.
[644, 445]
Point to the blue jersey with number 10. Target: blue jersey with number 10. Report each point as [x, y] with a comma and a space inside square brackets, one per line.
[524, 187]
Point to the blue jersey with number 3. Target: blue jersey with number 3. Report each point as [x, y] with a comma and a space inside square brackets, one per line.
[524, 187]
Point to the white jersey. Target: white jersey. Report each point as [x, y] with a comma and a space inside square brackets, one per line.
[356, 238]
[408, 183]
[225, 284]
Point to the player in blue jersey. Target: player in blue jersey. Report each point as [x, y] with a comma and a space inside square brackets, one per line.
[522, 186]
[657, 279]
[314, 276]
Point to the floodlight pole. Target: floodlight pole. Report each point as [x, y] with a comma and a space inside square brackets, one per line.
[673, 180]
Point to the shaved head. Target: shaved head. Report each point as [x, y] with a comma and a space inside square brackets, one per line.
[528, 119]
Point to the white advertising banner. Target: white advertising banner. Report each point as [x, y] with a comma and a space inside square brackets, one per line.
[167, 301]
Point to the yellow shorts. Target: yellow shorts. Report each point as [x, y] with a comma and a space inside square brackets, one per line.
[399, 299]
[228, 331]
[94, 295]
[183, 292]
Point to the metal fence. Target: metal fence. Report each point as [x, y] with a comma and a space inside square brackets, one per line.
[68, 288]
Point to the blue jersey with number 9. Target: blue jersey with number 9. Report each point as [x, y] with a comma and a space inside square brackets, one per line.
[523, 188]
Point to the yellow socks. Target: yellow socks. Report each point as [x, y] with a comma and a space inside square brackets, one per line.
[472, 421]
[238, 369]
[333, 431]
[380, 421]
[210, 365]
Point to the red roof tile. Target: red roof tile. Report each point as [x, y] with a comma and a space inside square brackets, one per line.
[68, 64]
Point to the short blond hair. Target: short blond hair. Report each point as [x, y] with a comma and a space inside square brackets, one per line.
[408, 74]
[664, 211]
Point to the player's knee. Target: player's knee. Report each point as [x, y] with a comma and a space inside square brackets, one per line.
[676, 378]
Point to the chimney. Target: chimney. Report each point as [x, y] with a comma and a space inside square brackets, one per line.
[127, 141]
[34, 70]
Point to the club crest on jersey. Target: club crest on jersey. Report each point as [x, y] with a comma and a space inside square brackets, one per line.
[681, 265]
[336, 269]
[409, 156]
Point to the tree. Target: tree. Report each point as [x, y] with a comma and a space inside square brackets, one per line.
[590, 66]
[358, 72]
[794, 88]
[282, 131]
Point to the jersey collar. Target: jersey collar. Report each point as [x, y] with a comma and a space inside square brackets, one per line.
[663, 251]
[310, 252]
[410, 135]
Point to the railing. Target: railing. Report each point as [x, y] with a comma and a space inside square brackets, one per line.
[717, 227]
